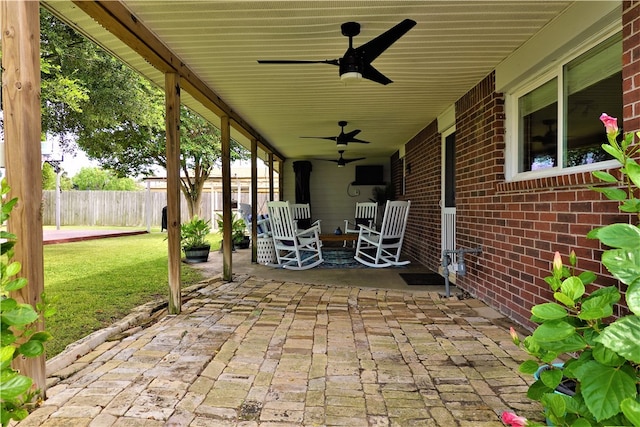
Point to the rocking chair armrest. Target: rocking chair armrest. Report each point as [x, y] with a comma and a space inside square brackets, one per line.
[367, 230]
[314, 229]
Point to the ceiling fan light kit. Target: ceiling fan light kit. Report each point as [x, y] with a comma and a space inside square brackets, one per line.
[351, 77]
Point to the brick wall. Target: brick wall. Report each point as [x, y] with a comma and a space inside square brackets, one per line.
[422, 236]
[631, 63]
[519, 225]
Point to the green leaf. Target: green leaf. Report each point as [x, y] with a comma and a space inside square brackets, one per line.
[587, 277]
[31, 348]
[555, 404]
[7, 206]
[553, 282]
[606, 356]
[624, 264]
[623, 337]
[564, 299]
[8, 304]
[15, 284]
[581, 422]
[12, 385]
[549, 311]
[572, 343]
[605, 176]
[632, 170]
[41, 336]
[21, 315]
[551, 377]
[616, 153]
[604, 387]
[633, 297]
[553, 330]
[620, 235]
[596, 308]
[572, 287]
[630, 205]
[631, 410]
[529, 367]
[6, 356]
[13, 268]
[612, 193]
[537, 390]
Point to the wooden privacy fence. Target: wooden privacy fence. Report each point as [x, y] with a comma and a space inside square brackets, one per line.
[126, 208]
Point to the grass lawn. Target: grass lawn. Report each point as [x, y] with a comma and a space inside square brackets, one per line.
[99, 281]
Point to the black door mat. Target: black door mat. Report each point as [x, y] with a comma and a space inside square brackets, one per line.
[422, 278]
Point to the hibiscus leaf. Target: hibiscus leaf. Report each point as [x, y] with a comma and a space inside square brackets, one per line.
[633, 297]
[549, 311]
[623, 264]
[631, 410]
[623, 337]
[620, 235]
[21, 315]
[605, 387]
[605, 176]
[553, 330]
[13, 385]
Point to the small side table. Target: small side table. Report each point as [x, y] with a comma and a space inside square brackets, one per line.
[266, 251]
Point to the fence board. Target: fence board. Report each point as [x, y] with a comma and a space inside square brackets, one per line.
[124, 208]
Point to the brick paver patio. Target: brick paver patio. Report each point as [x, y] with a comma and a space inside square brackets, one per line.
[256, 352]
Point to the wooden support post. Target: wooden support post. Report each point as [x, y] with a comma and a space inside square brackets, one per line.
[280, 180]
[20, 29]
[270, 160]
[254, 200]
[227, 243]
[172, 124]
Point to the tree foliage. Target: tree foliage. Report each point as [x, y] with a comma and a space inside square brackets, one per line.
[102, 179]
[117, 115]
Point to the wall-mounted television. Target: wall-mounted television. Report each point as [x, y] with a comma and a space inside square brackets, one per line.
[369, 175]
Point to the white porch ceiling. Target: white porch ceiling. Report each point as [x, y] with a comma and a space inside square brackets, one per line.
[454, 45]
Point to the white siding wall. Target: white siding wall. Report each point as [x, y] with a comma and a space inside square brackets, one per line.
[329, 185]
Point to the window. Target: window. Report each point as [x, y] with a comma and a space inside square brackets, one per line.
[558, 124]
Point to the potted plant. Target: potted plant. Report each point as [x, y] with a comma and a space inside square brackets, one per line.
[380, 195]
[601, 354]
[193, 239]
[239, 236]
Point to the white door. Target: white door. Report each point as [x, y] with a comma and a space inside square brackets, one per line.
[448, 196]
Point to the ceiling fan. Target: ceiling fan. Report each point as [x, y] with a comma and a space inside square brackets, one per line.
[342, 161]
[344, 138]
[356, 62]
[550, 139]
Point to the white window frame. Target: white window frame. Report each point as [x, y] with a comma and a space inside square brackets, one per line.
[512, 114]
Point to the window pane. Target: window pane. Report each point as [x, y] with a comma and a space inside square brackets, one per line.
[593, 83]
[538, 140]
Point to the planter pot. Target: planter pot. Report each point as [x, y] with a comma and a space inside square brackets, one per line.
[243, 244]
[566, 387]
[198, 254]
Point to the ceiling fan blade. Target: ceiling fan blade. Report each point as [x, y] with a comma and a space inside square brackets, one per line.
[353, 160]
[330, 138]
[373, 48]
[368, 72]
[359, 141]
[350, 135]
[293, 61]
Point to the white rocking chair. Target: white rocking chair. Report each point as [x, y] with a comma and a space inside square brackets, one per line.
[295, 249]
[302, 216]
[382, 248]
[366, 214]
